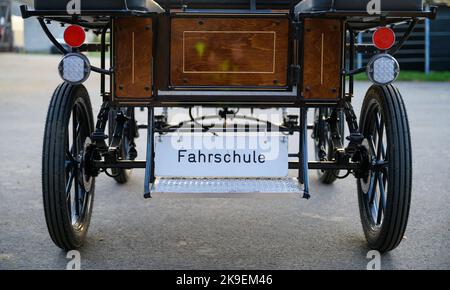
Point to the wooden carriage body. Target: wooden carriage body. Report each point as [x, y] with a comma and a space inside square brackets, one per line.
[240, 52]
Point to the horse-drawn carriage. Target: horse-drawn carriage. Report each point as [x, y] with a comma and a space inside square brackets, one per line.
[229, 55]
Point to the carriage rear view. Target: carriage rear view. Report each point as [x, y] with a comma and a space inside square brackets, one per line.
[227, 86]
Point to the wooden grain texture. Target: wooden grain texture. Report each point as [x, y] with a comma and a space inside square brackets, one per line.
[133, 58]
[322, 59]
[229, 52]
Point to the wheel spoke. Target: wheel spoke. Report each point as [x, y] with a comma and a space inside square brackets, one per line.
[77, 196]
[383, 150]
[373, 188]
[75, 126]
[69, 185]
[371, 143]
[381, 185]
[371, 184]
[374, 206]
[75, 149]
[70, 157]
[380, 130]
[78, 130]
[385, 175]
[382, 203]
[379, 213]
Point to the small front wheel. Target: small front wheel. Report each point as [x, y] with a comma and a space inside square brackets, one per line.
[68, 190]
[384, 193]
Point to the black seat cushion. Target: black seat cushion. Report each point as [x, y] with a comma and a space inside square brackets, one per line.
[227, 4]
[94, 4]
[147, 4]
[357, 5]
[303, 6]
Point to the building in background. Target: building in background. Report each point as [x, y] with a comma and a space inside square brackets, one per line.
[6, 31]
[34, 40]
[439, 40]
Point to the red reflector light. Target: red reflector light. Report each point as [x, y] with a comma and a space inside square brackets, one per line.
[74, 36]
[384, 38]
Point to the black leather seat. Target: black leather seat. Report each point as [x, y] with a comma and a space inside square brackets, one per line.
[357, 5]
[144, 5]
[303, 6]
[227, 4]
[148, 4]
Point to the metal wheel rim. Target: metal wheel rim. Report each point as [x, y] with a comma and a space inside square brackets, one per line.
[375, 187]
[78, 197]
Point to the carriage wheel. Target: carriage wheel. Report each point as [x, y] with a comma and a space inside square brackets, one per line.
[323, 144]
[68, 190]
[120, 175]
[385, 193]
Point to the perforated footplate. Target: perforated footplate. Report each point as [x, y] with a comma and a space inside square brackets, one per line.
[226, 186]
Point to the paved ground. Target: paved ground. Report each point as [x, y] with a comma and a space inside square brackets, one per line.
[129, 232]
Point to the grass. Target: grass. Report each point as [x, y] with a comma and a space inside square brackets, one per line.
[97, 54]
[415, 76]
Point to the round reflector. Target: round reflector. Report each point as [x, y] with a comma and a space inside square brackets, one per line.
[383, 69]
[74, 68]
[384, 38]
[74, 36]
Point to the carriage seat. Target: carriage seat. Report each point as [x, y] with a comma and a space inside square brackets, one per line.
[149, 5]
[227, 4]
[306, 6]
[140, 5]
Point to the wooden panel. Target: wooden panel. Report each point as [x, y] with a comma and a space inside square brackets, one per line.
[229, 52]
[133, 58]
[322, 59]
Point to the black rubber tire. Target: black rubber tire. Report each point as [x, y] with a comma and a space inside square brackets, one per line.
[395, 176]
[121, 176]
[325, 176]
[58, 214]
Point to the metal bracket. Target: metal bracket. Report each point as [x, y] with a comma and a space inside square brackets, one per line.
[150, 164]
[303, 175]
[119, 127]
[99, 136]
[355, 138]
[296, 71]
[297, 30]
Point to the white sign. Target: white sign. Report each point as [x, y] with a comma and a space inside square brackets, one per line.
[229, 155]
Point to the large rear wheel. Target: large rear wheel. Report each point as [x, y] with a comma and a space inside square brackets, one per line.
[384, 194]
[68, 190]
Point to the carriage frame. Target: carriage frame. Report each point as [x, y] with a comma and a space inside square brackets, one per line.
[333, 112]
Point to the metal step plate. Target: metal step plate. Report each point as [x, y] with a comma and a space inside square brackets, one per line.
[216, 187]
